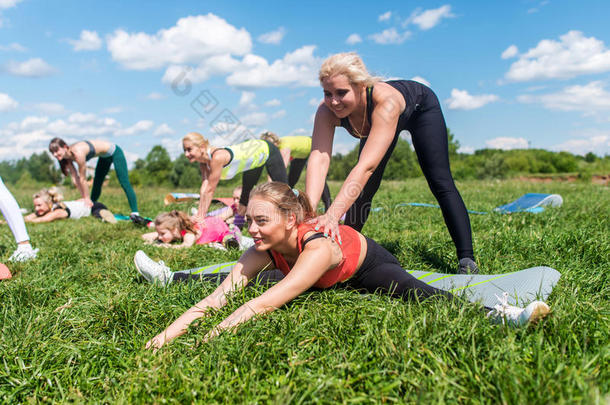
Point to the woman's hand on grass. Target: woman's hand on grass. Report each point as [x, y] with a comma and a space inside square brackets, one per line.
[156, 343]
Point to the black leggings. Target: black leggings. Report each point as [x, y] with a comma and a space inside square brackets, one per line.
[275, 168]
[381, 272]
[296, 168]
[429, 136]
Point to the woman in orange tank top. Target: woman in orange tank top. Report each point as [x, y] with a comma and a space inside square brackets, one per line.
[277, 216]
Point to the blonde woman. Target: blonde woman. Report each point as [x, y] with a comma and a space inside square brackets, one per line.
[49, 205]
[217, 164]
[376, 112]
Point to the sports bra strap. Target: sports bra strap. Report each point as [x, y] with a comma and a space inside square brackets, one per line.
[316, 235]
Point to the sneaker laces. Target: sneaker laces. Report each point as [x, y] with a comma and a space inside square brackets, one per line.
[504, 310]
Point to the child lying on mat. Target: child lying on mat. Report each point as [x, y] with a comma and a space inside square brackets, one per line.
[176, 226]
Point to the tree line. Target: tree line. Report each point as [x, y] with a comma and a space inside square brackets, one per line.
[158, 169]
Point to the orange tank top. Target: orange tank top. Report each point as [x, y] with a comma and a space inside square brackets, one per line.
[350, 247]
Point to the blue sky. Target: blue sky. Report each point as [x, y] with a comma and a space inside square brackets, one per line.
[509, 74]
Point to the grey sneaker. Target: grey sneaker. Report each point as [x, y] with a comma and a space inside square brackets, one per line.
[467, 266]
[516, 316]
[23, 254]
[154, 272]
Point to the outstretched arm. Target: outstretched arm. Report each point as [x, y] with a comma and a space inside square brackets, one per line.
[211, 177]
[248, 266]
[48, 217]
[321, 151]
[79, 178]
[319, 256]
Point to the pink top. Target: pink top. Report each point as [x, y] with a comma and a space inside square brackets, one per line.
[214, 230]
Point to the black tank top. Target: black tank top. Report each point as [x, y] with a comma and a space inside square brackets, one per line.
[413, 93]
[91, 152]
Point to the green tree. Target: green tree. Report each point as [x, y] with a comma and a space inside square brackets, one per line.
[158, 165]
[185, 173]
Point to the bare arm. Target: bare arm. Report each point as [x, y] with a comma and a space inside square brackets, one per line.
[211, 177]
[285, 152]
[79, 178]
[321, 151]
[248, 266]
[319, 256]
[48, 217]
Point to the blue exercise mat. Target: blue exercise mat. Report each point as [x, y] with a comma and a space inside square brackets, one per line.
[530, 202]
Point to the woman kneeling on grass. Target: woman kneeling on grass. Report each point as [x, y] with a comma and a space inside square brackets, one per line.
[176, 226]
[49, 206]
[277, 216]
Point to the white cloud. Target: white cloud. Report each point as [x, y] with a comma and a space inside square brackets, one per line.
[273, 37]
[353, 39]
[598, 142]
[572, 55]
[88, 41]
[255, 119]
[314, 102]
[113, 110]
[50, 108]
[8, 3]
[13, 46]
[429, 18]
[385, 16]
[191, 40]
[273, 103]
[278, 114]
[421, 80]
[7, 103]
[33, 133]
[137, 128]
[215, 65]
[173, 146]
[163, 129]
[591, 98]
[155, 96]
[510, 52]
[507, 143]
[466, 149]
[246, 98]
[462, 100]
[299, 131]
[297, 68]
[390, 36]
[34, 67]
[343, 148]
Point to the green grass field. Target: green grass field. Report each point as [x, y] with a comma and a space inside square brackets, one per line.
[74, 322]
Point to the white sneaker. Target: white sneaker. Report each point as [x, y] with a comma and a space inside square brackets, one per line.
[23, 254]
[516, 316]
[154, 272]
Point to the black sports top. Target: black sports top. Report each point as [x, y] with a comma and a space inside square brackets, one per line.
[413, 93]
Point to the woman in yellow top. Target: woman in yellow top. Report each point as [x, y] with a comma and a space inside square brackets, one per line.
[217, 164]
[295, 152]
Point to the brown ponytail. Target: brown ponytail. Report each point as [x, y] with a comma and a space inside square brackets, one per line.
[287, 200]
[54, 146]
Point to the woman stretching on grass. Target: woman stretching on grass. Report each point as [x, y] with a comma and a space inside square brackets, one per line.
[176, 226]
[276, 216]
[49, 206]
[108, 153]
[217, 164]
